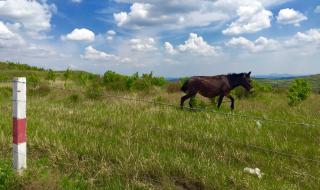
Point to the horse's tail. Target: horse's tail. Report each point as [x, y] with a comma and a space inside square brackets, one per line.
[185, 86]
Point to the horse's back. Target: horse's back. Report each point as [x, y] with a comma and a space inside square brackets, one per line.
[208, 86]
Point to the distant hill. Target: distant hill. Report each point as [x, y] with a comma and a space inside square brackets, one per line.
[284, 82]
[8, 70]
[278, 76]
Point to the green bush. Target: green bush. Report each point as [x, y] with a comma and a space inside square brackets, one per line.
[33, 80]
[299, 90]
[94, 92]
[83, 78]
[66, 76]
[111, 76]
[173, 87]
[261, 87]
[183, 80]
[115, 81]
[130, 81]
[142, 84]
[258, 88]
[51, 75]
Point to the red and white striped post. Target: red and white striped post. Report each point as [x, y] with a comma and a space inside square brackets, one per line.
[19, 124]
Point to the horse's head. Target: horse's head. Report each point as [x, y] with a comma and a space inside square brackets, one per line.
[246, 81]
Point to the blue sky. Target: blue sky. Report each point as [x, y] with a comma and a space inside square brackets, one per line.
[171, 38]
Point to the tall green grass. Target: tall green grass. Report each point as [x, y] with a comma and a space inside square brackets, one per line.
[109, 143]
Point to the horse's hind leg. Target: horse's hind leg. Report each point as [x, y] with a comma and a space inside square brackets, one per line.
[191, 106]
[220, 100]
[232, 102]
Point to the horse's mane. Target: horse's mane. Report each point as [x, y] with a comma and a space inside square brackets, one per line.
[234, 78]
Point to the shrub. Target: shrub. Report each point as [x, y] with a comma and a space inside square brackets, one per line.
[142, 84]
[83, 78]
[51, 75]
[158, 81]
[94, 92]
[130, 80]
[33, 80]
[258, 87]
[299, 90]
[173, 87]
[66, 76]
[183, 80]
[261, 87]
[111, 76]
[120, 82]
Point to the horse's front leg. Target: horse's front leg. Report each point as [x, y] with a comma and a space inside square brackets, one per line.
[220, 100]
[232, 102]
[184, 98]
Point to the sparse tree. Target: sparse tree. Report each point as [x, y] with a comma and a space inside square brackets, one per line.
[299, 90]
[51, 75]
[66, 76]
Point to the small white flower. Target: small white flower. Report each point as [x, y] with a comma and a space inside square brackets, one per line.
[255, 171]
[259, 125]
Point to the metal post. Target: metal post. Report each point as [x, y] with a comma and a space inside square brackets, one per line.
[19, 124]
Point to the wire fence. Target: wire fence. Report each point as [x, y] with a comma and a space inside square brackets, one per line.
[232, 114]
[234, 142]
[255, 118]
[11, 81]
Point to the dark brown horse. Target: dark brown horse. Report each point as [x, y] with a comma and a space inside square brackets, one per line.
[212, 86]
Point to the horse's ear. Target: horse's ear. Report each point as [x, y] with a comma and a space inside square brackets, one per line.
[249, 74]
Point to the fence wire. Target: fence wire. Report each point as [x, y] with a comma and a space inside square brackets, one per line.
[237, 143]
[254, 118]
[250, 146]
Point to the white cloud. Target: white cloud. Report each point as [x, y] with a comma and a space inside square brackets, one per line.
[121, 18]
[169, 48]
[196, 44]
[34, 50]
[309, 37]
[14, 45]
[251, 18]
[82, 34]
[145, 44]
[9, 39]
[172, 14]
[5, 33]
[110, 34]
[317, 9]
[33, 15]
[138, 11]
[93, 54]
[290, 16]
[261, 44]
[175, 14]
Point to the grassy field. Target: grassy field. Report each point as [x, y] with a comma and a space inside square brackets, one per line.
[79, 143]
[284, 83]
